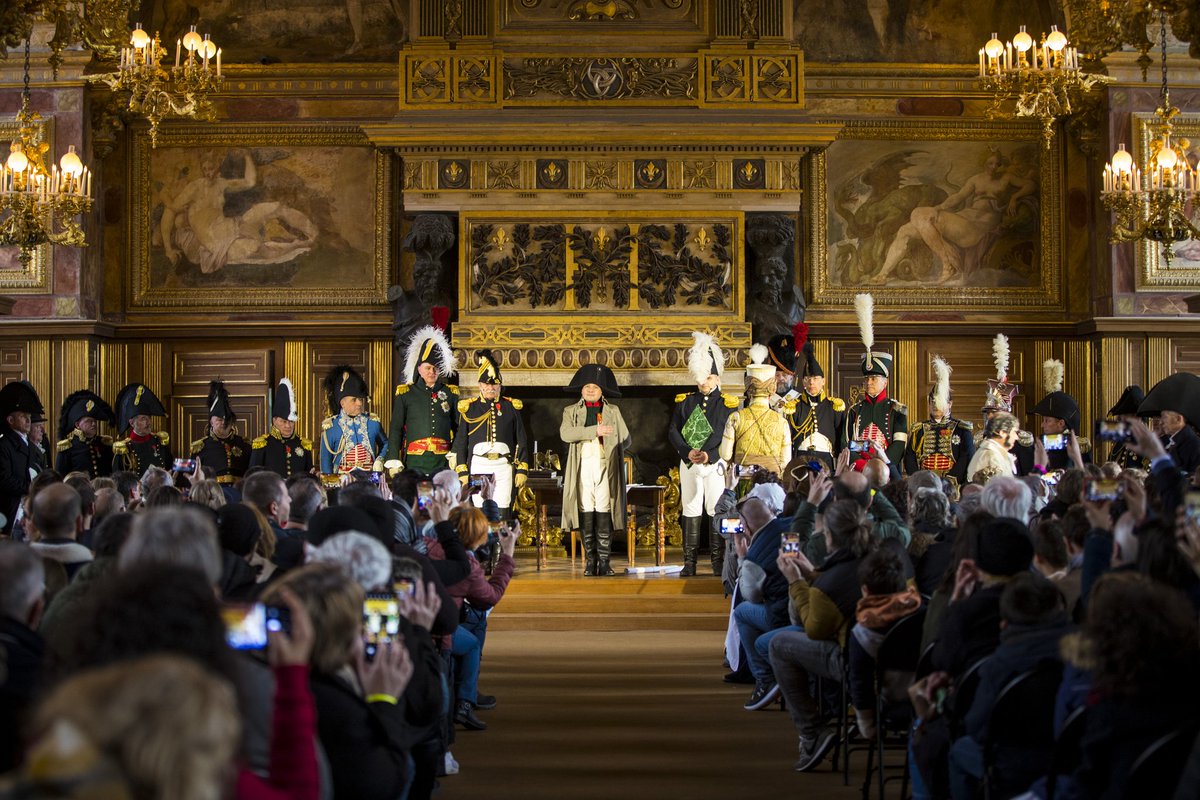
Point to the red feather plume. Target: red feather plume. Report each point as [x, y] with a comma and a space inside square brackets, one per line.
[800, 335]
[441, 317]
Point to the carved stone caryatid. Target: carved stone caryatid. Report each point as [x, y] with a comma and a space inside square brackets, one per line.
[429, 238]
[774, 301]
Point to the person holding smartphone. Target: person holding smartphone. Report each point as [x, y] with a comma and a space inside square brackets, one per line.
[1060, 423]
[594, 481]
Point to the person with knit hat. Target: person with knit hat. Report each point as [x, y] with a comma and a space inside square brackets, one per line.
[876, 420]
[282, 450]
[491, 439]
[143, 447]
[222, 452]
[1060, 423]
[816, 418]
[80, 446]
[350, 439]
[941, 444]
[697, 426]
[594, 481]
[999, 398]
[425, 410]
[758, 435]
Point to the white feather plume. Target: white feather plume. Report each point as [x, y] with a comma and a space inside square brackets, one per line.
[1000, 356]
[759, 353]
[700, 358]
[941, 387]
[291, 390]
[864, 309]
[1052, 375]
[446, 363]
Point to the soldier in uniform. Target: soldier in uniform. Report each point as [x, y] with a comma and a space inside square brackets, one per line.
[143, 447]
[757, 435]
[1126, 409]
[425, 411]
[282, 451]
[697, 426]
[941, 444]
[491, 439]
[350, 439]
[18, 463]
[1175, 403]
[876, 418]
[80, 447]
[37, 438]
[993, 457]
[1060, 417]
[999, 397]
[783, 352]
[817, 419]
[222, 452]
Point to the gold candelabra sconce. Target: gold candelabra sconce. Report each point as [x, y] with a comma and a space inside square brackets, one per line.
[1153, 205]
[157, 90]
[1040, 80]
[39, 201]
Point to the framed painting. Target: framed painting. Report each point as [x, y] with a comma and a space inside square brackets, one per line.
[15, 277]
[936, 216]
[1182, 271]
[240, 217]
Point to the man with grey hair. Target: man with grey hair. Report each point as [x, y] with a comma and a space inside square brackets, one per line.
[1007, 497]
[365, 558]
[22, 650]
[177, 536]
[305, 498]
[153, 478]
[993, 457]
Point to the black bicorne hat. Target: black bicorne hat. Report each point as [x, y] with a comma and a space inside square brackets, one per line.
[1131, 398]
[218, 402]
[1059, 405]
[489, 367]
[1179, 393]
[134, 400]
[598, 374]
[84, 403]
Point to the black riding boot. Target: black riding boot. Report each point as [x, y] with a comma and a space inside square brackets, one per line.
[691, 541]
[587, 532]
[603, 543]
[716, 546]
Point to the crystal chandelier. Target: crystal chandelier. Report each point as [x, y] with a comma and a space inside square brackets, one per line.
[39, 203]
[157, 91]
[1153, 205]
[1041, 80]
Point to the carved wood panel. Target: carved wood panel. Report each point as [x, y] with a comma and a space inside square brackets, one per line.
[14, 363]
[325, 356]
[970, 360]
[845, 379]
[246, 373]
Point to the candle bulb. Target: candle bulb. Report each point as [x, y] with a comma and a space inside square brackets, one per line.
[178, 45]
[218, 62]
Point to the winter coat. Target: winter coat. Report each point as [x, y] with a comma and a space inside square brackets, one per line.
[574, 433]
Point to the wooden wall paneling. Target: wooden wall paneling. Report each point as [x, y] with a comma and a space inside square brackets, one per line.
[1080, 383]
[381, 391]
[1158, 360]
[903, 383]
[846, 357]
[324, 356]
[823, 351]
[14, 362]
[295, 369]
[1185, 357]
[112, 370]
[1115, 369]
[39, 371]
[247, 375]
[972, 364]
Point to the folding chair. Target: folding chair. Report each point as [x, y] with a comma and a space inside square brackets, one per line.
[1067, 751]
[1157, 770]
[898, 653]
[1021, 728]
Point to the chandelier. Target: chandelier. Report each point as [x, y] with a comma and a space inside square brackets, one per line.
[39, 203]
[1153, 205]
[156, 90]
[1040, 80]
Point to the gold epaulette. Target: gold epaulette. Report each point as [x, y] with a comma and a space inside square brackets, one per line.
[1085, 444]
[839, 405]
[899, 407]
[1025, 439]
[453, 388]
[64, 444]
[373, 416]
[327, 423]
[401, 389]
[461, 469]
[789, 406]
[679, 398]
[108, 440]
[306, 444]
[259, 442]
[517, 404]
[120, 447]
[965, 425]
[463, 405]
[197, 446]
[731, 401]
[164, 437]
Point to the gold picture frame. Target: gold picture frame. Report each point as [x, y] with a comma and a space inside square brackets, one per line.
[281, 219]
[864, 232]
[1153, 274]
[34, 277]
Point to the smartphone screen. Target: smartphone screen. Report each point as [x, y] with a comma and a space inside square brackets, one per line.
[404, 587]
[1054, 441]
[791, 543]
[245, 625]
[1112, 431]
[424, 495]
[279, 619]
[732, 525]
[381, 620]
[859, 446]
[1191, 505]
[1104, 489]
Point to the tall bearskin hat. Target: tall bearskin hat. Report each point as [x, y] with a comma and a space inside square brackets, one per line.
[218, 402]
[283, 401]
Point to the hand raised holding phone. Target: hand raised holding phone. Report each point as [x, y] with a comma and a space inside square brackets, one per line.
[288, 648]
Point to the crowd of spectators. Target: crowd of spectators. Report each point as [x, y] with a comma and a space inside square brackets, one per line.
[1035, 636]
[167, 636]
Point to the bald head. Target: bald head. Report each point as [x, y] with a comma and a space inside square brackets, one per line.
[877, 473]
[57, 512]
[853, 486]
[757, 515]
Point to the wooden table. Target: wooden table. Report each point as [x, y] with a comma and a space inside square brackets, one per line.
[547, 493]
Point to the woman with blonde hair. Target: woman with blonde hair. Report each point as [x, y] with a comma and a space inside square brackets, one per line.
[207, 493]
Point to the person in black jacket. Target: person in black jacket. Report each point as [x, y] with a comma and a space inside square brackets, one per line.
[282, 450]
[18, 463]
[80, 447]
[697, 425]
[224, 454]
[1175, 401]
[143, 447]
[22, 650]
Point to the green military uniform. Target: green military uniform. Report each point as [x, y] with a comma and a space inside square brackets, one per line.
[424, 418]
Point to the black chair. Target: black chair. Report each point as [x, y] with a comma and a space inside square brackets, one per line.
[1156, 772]
[1067, 750]
[1020, 731]
[899, 652]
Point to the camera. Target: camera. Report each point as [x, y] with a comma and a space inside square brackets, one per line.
[791, 544]
[1100, 490]
[1054, 441]
[1116, 431]
[731, 526]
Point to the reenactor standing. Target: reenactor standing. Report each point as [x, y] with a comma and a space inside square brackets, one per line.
[18, 463]
[817, 419]
[941, 444]
[222, 452]
[1126, 409]
[757, 435]
[425, 410]
[999, 398]
[143, 447]
[80, 447]
[491, 437]
[1060, 420]
[350, 439]
[876, 418]
[281, 450]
